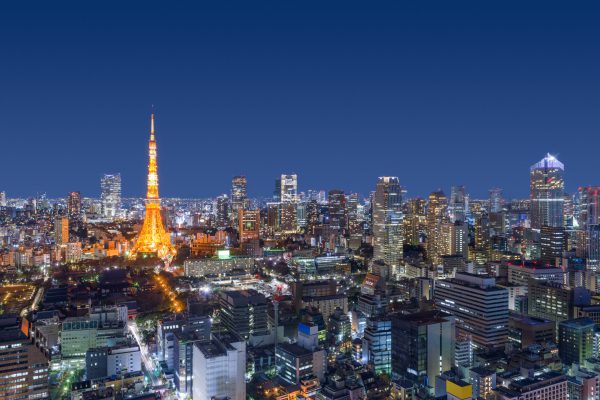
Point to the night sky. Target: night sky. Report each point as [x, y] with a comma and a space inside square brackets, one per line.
[436, 93]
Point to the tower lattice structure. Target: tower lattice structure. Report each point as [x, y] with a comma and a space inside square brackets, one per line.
[153, 239]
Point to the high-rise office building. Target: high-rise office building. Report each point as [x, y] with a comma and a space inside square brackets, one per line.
[110, 195]
[554, 301]
[222, 211]
[437, 210]
[422, 345]
[354, 217]
[294, 363]
[288, 217]
[593, 247]
[547, 188]
[377, 345]
[588, 221]
[238, 194]
[455, 239]
[244, 312]
[552, 243]
[305, 359]
[414, 221]
[312, 216]
[219, 368]
[74, 205]
[576, 340]
[301, 214]
[61, 230]
[3, 199]
[249, 224]
[524, 331]
[495, 205]
[459, 245]
[588, 209]
[459, 204]
[387, 221]
[483, 242]
[286, 189]
[480, 308]
[23, 367]
[338, 217]
[286, 194]
[339, 328]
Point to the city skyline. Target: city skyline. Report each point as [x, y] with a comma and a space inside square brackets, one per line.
[390, 91]
[300, 200]
[446, 189]
[269, 195]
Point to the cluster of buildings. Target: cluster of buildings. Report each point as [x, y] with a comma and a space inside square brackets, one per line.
[309, 295]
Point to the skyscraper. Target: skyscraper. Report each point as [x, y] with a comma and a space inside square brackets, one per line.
[2, 199]
[552, 239]
[74, 205]
[337, 210]
[437, 210]
[153, 239]
[222, 211]
[459, 204]
[482, 236]
[593, 247]
[354, 217]
[387, 221]
[547, 187]
[589, 207]
[312, 216]
[457, 240]
[286, 189]
[286, 194]
[238, 194]
[288, 217]
[414, 221]
[110, 195]
[495, 205]
[61, 230]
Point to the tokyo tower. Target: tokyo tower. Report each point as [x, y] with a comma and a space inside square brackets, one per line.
[153, 240]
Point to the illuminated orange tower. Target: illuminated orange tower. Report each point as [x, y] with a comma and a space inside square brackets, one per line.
[153, 240]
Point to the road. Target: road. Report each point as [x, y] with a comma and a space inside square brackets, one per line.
[147, 360]
[36, 300]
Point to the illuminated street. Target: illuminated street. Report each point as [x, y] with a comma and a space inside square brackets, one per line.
[148, 362]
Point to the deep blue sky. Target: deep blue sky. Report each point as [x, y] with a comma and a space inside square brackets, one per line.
[437, 93]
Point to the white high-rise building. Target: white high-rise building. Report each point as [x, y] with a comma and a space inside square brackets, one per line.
[480, 308]
[387, 221]
[547, 193]
[495, 201]
[286, 189]
[219, 368]
[110, 195]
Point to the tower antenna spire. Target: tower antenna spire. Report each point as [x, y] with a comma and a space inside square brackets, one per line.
[152, 123]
